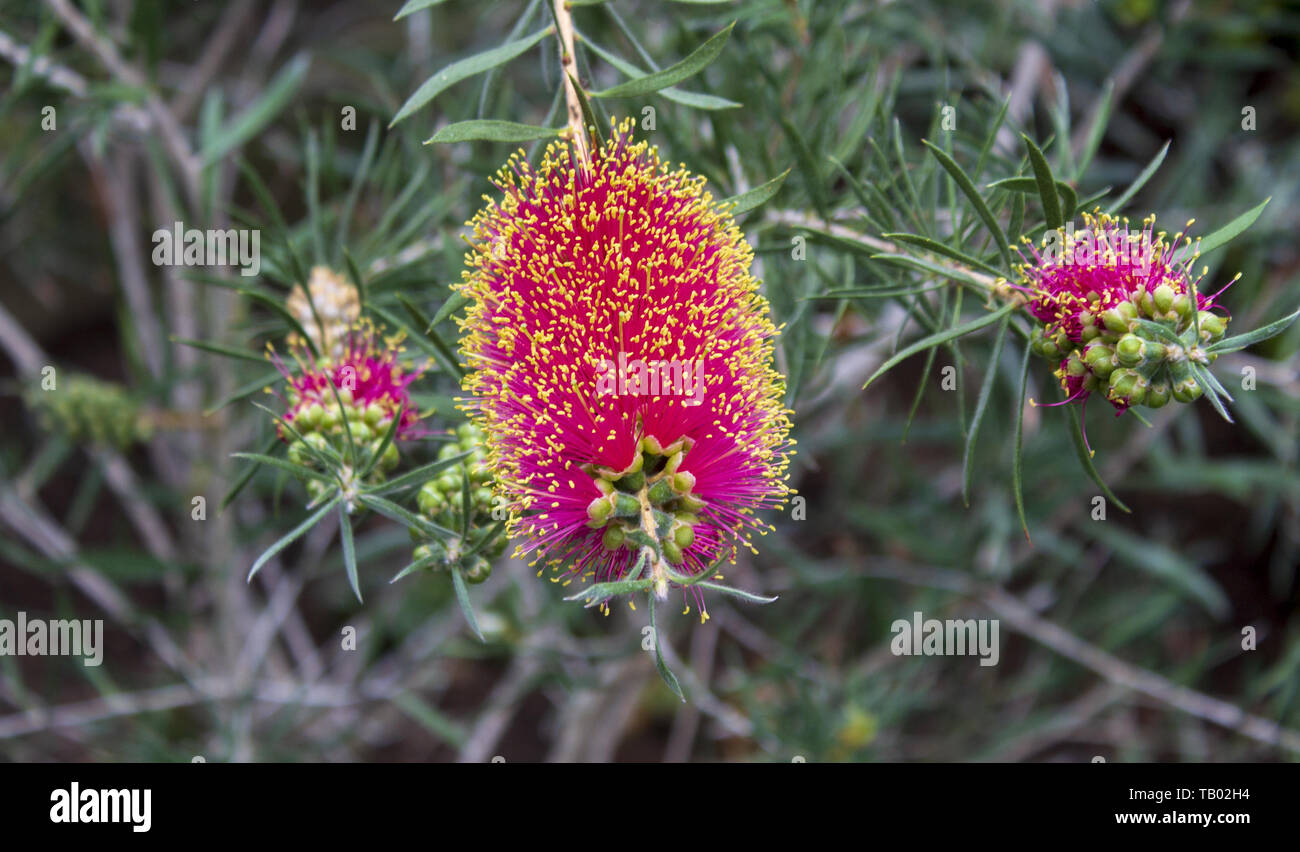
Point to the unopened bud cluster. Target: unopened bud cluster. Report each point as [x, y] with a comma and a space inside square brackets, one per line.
[1130, 363]
[326, 426]
[654, 484]
[86, 410]
[442, 501]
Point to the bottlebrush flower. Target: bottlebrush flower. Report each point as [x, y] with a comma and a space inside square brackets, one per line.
[620, 359]
[371, 382]
[1094, 290]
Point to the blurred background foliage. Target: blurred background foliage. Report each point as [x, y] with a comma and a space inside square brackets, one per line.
[1120, 638]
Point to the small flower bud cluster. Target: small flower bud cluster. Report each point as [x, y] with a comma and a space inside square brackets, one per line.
[442, 501]
[337, 309]
[322, 427]
[1132, 363]
[86, 410]
[654, 476]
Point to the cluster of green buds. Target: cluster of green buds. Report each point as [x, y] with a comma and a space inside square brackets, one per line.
[442, 501]
[649, 501]
[1138, 352]
[327, 428]
[86, 410]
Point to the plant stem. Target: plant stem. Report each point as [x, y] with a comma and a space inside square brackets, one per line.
[564, 30]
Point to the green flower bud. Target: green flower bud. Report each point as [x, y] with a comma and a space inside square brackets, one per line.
[1158, 394]
[1212, 325]
[631, 482]
[1100, 359]
[1128, 351]
[600, 509]
[1152, 350]
[684, 536]
[613, 537]
[683, 482]
[390, 458]
[661, 492]
[1163, 297]
[429, 499]
[1114, 320]
[1122, 383]
[672, 552]
[479, 571]
[1187, 390]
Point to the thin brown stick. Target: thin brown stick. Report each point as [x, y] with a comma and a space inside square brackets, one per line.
[577, 127]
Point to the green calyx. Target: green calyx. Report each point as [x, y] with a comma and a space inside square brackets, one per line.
[648, 504]
[1137, 352]
[442, 501]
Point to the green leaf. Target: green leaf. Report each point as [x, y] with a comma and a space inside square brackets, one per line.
[808, 165]
[698, 59]
[951, 272]
[292, 536]
[228, 351]
[1221, 237]
[394, 512]
[389, 433]
[433, 721]
[1241, 341]
[275, 97]
[428, 340]
[247, 475]
[1019, 185]
[589, 120]
[413, 6]
[462, 598]
[937, 247]
[941, 337]
[282, 464]
[968, 189]
[482, 130]
[1106, 101]
[454, 303]
[696, 100]
[282, 312]
[747, 201]
[1017, 477]
[1085, 455]
[734, 592]
[1167, 565]
[1046, 185]
[418, 476]
[981, 404]
[1141, 179]
[465, 68]
[1213, 390]
[598, 593]
[349, 551]
[664, 672]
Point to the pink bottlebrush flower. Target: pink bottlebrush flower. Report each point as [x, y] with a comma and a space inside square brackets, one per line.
[620, 352]
[1091, 290]
[371, 382]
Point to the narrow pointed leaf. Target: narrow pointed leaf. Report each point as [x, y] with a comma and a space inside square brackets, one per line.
[1221, 237]
[746, 201]
[465, 68]
[939, 338]
[292, 536]
[698, 59]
